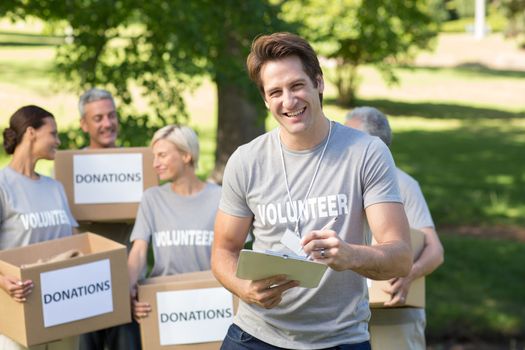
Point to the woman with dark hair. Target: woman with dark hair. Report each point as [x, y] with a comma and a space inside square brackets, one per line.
[33, 207]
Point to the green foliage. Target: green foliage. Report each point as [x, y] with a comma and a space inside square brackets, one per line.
[156, 49]
[457, 26]
[478, 292]
[496, 21]
[515, 11]
[463, 8]
[353, 33]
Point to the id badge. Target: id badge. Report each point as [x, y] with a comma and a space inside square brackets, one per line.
[291, 241]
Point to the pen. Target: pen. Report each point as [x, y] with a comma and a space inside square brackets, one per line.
[326, 227]
[329, 224]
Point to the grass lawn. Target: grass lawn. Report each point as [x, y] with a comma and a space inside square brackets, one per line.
[459, 130]
[478, 292]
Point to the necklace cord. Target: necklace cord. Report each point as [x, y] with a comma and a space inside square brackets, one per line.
[303, 204]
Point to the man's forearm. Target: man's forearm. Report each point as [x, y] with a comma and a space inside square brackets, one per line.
[431, 256]
[383, 261]
[224, 266]
[392, 256]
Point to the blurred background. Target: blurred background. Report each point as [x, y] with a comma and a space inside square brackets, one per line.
[449, 74]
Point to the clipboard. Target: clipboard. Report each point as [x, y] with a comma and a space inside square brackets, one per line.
[254, 266]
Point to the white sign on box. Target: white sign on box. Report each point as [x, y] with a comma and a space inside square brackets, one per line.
[108, 178]
[194, 316]
[77, 292]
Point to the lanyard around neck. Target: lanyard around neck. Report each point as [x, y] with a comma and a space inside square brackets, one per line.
[303, 204]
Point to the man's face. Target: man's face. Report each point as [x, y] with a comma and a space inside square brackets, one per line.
[292, 97]
[100, 121]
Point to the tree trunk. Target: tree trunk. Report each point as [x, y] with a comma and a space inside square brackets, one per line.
[241, 111]
[239, 122]
[346, 81]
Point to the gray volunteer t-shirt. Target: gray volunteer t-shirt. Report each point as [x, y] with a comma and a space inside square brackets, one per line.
[356, 172]
[416, 208]
[32, 211]
[418, 216]
[180, 228]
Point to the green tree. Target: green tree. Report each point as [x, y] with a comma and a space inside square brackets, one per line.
[353, 32]
[159, 47]
[514, 10]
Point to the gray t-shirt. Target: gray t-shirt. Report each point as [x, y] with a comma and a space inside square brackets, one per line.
[418, 216]
[416, 208]
[180, 228]
[356, 172]
[32, 211]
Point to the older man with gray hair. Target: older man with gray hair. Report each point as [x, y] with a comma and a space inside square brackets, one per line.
[99, 119]
[407, 325]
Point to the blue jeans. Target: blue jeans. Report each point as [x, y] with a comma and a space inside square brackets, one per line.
[237, 339]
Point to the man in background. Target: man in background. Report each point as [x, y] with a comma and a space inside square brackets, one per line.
[99, 119]
[405, 324]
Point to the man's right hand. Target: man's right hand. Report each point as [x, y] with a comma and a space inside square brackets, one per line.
[229, 237]
[18, 290]
[267, 292]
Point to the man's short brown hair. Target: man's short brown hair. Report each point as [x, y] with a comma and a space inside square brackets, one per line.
[278, 46]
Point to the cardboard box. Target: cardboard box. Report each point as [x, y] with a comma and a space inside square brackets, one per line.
[416, 294]
[105, 184]
[190, 311]
[70, 297]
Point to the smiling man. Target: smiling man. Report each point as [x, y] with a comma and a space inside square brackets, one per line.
[313, 169]
[99, 119]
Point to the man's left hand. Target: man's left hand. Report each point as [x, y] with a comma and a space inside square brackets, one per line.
[398, 289]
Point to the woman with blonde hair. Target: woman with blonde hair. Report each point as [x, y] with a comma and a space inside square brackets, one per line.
[31, 136]
[177, 217]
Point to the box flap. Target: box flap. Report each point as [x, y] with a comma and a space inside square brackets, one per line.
[87, 243]
[191, 276]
